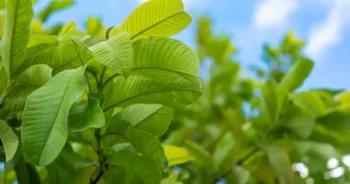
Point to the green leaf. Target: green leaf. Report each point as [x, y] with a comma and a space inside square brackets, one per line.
[53, 7]
[17, 29]
[41, 39]
[139, 166]
[45, 116]
[296, 76]
[269, 101]
[152, 118]
[9, 140]
[300, 125]
[86, 56]
[165, 59]
[176, 155]
[26, 173]
[115, 53]
[4, 79]
[201, 156]
[89, 115]
[136, 89]
[338, 120]
[37, 76]
[310, 102]
[280, 161]
[164, 18]
[59, 57]
[148, 145]
[224, 152]
[94, 26]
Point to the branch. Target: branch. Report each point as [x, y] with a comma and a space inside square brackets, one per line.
[240, 162]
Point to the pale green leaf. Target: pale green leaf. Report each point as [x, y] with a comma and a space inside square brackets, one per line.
[89, 115]
[295, 77]
[165, 59]
[45, 116]
[54, 6]
[17, 30]
[176, 155]
[139, 166]
[94, 26]
[41, 39]
[136, 89]
[37, 76]
[9, 140]
[155, 18]
[115, 53]
[59, 57]
[152, 118]
[86, 56]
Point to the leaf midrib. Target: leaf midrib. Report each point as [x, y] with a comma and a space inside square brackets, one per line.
[53, 124]
[147, 117]
[154, 25]
[164, 69]
[157, 91]
[12, 33]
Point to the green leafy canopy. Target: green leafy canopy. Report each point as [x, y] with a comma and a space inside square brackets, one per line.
[74, 102]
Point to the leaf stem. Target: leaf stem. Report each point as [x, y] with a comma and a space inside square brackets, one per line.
[101, 160]
[109, 79]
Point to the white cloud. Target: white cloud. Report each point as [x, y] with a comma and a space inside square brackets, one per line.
[328, 33]
[270, 14]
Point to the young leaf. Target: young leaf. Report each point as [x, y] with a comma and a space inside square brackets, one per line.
[296, 76]
[136, 89]
[17, 30]
[176, 155]
[45, 116]
[86, 56]
[139, 166]
[154, 119]
[115, 53]
[89, 115]
[9, 140]
[54, 6]
[164, 18]
[165, 58]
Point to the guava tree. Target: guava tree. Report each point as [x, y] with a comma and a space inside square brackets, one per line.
[88, 107]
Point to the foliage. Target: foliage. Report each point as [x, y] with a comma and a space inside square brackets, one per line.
[88, 107]
[126, 104]
[257, 131]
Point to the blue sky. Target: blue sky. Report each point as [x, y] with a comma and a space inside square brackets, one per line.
[324, 24]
